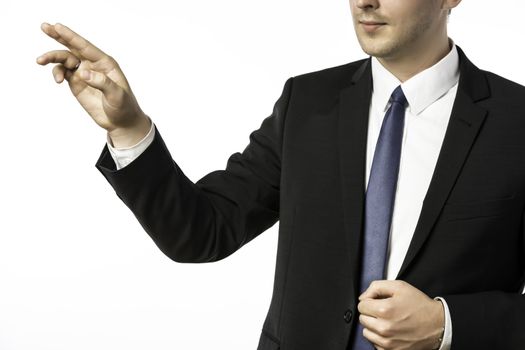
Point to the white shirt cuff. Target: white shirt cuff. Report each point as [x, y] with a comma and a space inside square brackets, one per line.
[447, 337]
[124, 156]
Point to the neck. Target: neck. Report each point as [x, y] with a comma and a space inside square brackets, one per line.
[404, 66]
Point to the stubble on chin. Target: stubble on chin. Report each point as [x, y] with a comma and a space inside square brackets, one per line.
[377, 45]
[390, 42]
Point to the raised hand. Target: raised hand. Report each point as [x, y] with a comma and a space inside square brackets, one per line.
[98, 83]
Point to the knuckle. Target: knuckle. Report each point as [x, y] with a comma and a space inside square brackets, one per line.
[95, 77]
[58, 55]
[381, 312]
[385, 330]
[71, 62]
[100, 78]
[381, 342]
[386, 343]
[385, 310]
[112, 61]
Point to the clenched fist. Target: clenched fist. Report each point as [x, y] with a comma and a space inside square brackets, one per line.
[396, 315]
[99, 85]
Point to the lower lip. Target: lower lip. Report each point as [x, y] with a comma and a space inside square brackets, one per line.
[370, 28]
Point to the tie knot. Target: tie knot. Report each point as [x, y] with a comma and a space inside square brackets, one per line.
[398, 96]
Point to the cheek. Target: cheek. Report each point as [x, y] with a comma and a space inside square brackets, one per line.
[408, 14]
[353, 6]
[410, 28]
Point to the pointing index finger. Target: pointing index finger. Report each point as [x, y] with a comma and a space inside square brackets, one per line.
[51, 32]
[77, 43]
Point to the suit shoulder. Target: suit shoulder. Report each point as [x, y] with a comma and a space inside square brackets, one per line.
[503, 87]
[332, 77]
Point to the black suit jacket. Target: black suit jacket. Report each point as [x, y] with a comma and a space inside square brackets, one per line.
[305, 166]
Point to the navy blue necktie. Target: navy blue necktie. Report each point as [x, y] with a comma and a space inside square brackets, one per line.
[379, 201]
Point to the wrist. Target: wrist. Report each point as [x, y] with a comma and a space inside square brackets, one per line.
[439, 326]
[124, 137]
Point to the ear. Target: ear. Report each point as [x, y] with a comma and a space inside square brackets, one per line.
[450, 4]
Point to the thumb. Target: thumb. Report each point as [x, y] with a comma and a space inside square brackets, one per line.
[380, 290]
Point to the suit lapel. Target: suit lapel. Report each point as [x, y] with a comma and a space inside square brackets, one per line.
[352, 137]
[464, 124]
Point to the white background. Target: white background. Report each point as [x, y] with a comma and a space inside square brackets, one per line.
[76, 269]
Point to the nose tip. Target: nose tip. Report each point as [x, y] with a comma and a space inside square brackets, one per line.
[367, 4]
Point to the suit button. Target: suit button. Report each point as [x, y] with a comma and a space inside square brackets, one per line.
[348, 316]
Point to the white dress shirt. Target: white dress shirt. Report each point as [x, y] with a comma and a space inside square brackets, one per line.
[124, 156]
[430, 95]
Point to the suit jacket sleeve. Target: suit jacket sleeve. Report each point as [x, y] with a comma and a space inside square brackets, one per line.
[489, 320]
[210, 219]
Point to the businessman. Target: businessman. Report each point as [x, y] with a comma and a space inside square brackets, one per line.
[398, 182]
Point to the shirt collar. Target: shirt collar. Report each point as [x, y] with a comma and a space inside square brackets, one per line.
[422, 89]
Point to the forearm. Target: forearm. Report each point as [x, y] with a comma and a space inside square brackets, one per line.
[169, 206]
[210, 219]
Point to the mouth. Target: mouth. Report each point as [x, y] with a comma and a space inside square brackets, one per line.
[371, 26]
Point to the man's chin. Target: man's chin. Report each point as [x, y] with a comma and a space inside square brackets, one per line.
[376, 48]
[374, 51]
